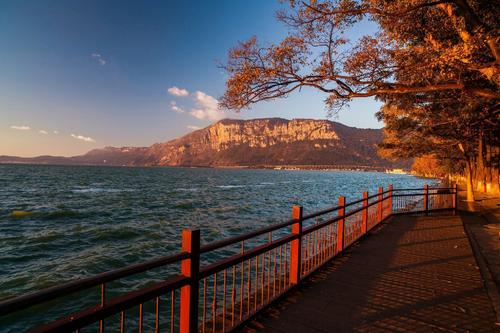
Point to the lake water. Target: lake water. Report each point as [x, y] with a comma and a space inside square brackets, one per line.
[77, 221]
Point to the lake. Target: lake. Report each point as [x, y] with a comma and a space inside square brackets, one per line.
[62, 222]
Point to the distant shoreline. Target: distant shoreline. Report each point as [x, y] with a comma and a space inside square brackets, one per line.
[361, 168]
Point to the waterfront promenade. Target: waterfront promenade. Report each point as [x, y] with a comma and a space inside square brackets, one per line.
[398, 260]
[411, 274]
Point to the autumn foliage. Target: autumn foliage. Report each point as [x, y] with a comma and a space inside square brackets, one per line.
[434, 64]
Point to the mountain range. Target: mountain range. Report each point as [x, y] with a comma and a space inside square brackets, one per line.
[268, 142]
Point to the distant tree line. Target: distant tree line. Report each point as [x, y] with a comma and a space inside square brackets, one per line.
[434, 64]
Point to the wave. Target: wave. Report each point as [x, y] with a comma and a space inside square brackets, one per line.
[185, 205]
[230, 186]
[191, 189]
[51, 215]
[60, 214]
[126, 233]
[100, 190]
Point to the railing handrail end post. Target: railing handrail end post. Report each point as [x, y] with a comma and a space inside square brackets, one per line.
[364, 223]
[188, 321]
[296, 245]
[426, 198]
[340, 224]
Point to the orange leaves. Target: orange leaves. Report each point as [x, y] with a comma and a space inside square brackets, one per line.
[422, 48]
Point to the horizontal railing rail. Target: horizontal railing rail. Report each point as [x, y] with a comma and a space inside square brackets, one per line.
[28, 300]
[222, 295]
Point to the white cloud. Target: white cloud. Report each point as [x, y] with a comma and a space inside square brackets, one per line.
[43, 132]
[174, 107]
[83, 138]
[193, 127]
[55, 132]
[178, 92]
[98, 58]
[20, 128]
[207, 107]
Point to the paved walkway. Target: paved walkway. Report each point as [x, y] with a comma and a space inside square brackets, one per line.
[413, 274]
[484, 224]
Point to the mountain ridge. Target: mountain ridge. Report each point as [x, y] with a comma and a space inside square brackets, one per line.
[249, 143]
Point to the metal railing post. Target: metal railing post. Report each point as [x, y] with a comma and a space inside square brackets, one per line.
[364, 221]
[390, 200]
[426, 198]
[296, 245]
[380, 204]
[340, 225]
[189, 294]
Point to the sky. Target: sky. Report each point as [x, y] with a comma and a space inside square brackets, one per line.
[80, 75]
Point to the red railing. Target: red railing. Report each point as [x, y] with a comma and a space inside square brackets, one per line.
[248, 273]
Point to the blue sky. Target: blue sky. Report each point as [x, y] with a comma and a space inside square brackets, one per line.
[78, 75]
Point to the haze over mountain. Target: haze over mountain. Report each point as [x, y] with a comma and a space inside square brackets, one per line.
[252, 143]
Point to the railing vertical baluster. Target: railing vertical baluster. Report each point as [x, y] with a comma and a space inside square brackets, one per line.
[320, 245]
[214, 305]
[204, 310]
[330, 241]
[157, 315]
[380, 204]
[318, 249]
[103, 301]
[390, 199]
[262, 281]
[189, 294]
[224, 303]
[249, 284]
[141, 315]
[314, 249]
[311, 252]
[268, 276]
[307, 265]
[285, 272]
[426, 198]
[280, 268]
[274, 273]
[242, 281]
[256, 283]
[122, 322]
[233, 296]
[172, 311]
[340, 225]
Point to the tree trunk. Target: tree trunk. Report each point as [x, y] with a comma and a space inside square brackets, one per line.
[480, 171]
[495, 164]
[470, 183]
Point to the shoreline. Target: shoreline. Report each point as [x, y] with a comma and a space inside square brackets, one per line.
[360, 168]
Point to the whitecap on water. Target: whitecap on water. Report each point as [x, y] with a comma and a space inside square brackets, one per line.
[99, 190]
[193, 189]
[230, 186]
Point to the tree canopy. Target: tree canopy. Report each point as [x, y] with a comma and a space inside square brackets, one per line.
[434, 64]
[422, 46]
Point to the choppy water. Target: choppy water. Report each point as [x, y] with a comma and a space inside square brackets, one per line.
[62, 222]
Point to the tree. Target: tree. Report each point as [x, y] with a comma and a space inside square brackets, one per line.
[429, 166]
[448, 127]
[434, 64]
[426, 38]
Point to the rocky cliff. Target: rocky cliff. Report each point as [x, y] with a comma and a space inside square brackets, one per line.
[257, 142]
